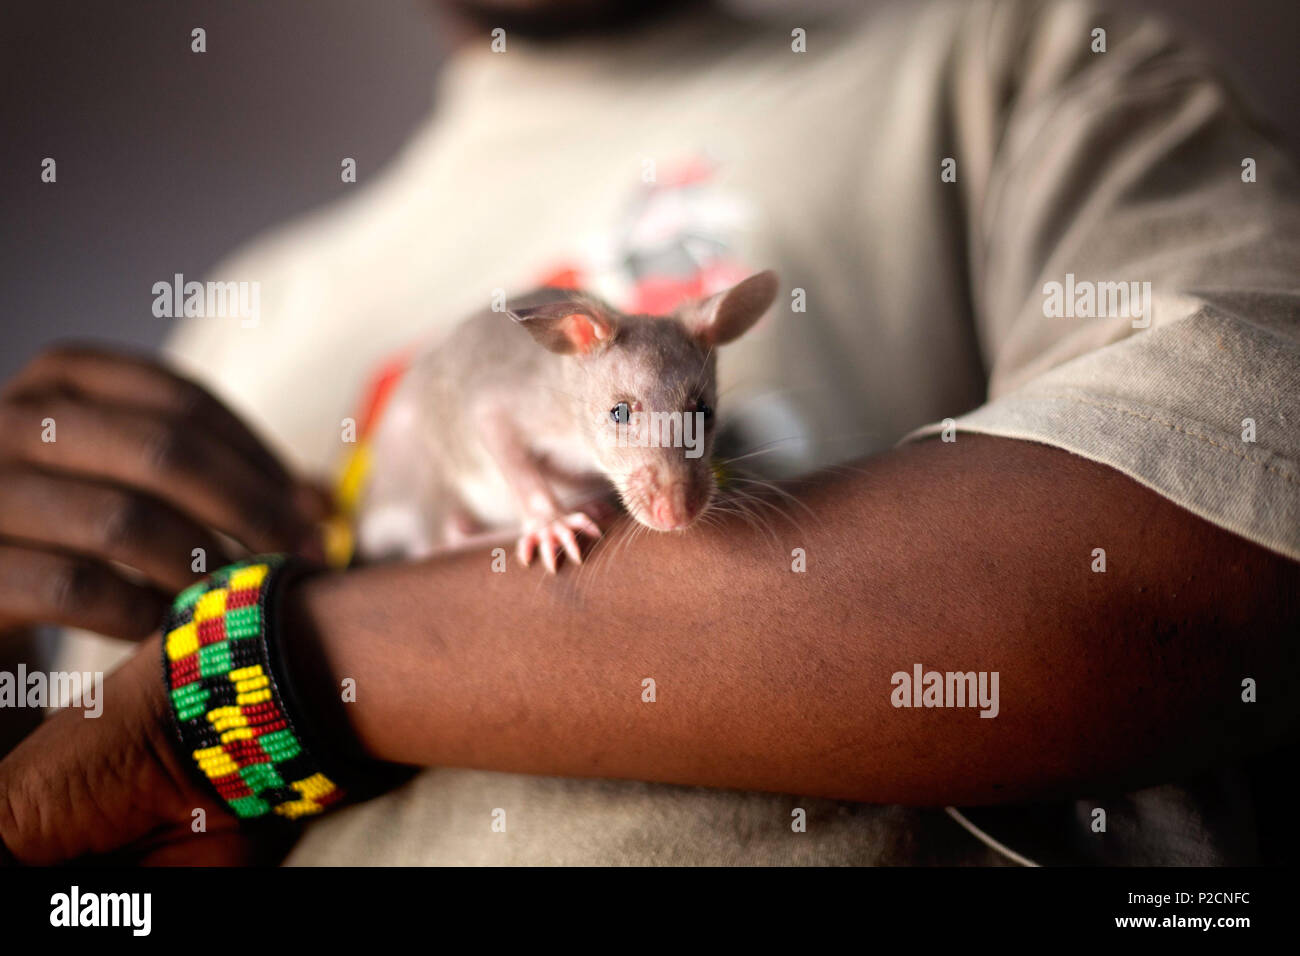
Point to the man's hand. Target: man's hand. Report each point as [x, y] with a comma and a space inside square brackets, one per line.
[113, 471]
[79, 788]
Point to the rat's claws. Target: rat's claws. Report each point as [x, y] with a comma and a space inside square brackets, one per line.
[548, 537]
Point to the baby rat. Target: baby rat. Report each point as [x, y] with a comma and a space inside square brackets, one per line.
[524, 423]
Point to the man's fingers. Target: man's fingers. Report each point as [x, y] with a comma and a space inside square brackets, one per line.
[50, 588]
[60, 512]
[314, 500]
[137, 382]
[188, 468]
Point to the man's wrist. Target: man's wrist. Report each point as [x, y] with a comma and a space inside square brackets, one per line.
[315, 623]
[319, 690]
[235, 705]
[149, 696]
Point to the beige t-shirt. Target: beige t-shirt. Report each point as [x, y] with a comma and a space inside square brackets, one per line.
[919, 178]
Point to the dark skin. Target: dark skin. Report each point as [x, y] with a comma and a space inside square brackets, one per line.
[97, 530]
[144, 467]
[974, 555]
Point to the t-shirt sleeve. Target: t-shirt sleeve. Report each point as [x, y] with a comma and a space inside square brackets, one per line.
[1134, 243]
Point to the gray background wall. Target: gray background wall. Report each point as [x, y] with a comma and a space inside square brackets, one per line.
[166, 160]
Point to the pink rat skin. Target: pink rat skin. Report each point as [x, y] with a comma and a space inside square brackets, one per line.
[523, 424]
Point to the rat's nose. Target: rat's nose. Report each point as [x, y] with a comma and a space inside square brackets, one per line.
[670, 511]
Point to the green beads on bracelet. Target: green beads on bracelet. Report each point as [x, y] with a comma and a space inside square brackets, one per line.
[228, 712]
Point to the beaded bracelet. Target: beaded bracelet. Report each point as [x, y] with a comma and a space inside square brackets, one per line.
[220, 665]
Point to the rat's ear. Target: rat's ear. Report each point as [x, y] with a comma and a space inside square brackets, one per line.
[724, 317]
[574, 327]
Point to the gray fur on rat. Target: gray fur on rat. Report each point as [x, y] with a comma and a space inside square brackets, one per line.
[511, 422]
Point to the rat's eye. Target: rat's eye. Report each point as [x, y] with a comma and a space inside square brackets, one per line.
[704, 409]
[620, 413]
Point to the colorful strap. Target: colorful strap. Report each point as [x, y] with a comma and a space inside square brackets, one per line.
[219, 667]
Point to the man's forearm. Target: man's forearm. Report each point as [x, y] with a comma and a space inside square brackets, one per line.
[968, 556]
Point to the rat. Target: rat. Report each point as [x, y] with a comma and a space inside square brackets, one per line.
[526, 419]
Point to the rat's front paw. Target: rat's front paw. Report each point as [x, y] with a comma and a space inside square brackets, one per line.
[548, 537]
